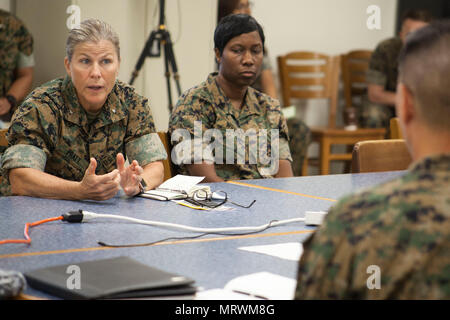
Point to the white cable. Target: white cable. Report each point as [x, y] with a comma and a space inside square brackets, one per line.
[91, 215]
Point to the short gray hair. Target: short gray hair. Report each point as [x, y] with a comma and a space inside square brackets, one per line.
[424, 67]
[91, 30]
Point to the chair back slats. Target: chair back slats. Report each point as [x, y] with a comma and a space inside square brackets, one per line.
[359, 66]
[357, 78]
[307, 94]
[306, 68]
[305, 55]
[354, 66]
[310, 75]
[307, 81]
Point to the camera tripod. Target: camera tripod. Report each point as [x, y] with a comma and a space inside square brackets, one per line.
[152, 48]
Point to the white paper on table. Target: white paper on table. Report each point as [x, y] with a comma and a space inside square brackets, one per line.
[181, 183]
[221, 294]
[289, 251]
[264, 285]
[177, 187]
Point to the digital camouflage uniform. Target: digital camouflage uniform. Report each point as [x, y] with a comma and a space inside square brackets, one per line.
[402, 227]
[15, 43]
[383, 71]
[299, 140]
[50, 132]
[207, 103]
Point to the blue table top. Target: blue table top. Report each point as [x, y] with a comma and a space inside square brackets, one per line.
[211, 261]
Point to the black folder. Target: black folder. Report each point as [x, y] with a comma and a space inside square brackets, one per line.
[115, 278]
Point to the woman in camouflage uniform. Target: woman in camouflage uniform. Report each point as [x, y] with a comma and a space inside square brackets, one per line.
[299, 132]
[67, 139]
[225, 105]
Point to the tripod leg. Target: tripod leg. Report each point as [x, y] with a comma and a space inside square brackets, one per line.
[172, 61]
[145, 52]
[167, 74]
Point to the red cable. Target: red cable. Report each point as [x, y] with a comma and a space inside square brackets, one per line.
[27, 227]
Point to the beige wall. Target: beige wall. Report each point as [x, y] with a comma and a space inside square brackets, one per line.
[46, 20]
[5, 5]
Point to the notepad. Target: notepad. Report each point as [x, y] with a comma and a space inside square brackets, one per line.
[115, 278]
[178, 187]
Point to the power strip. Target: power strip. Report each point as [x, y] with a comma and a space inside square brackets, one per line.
[314, 218]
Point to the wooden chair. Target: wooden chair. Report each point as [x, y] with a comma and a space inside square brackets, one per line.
[169, 170]
[309, 75]
[354, 66]
[3, 141]
[394, 128]
[380, 155]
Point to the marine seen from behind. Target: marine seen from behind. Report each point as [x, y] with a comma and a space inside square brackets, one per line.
[393, 241]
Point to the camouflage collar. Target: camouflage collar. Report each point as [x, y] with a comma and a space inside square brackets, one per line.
[214, 95]
[438, 162]
[112, 111]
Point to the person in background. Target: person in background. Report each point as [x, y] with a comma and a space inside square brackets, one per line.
[393, 241]
[67, 139]
[379, 105]
[299, 133]
[16, 64]
[226, 103]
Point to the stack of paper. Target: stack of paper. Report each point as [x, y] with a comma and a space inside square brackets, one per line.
[178, 187]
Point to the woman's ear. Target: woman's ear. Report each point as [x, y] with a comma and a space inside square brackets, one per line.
[67, 65]
[218, 56]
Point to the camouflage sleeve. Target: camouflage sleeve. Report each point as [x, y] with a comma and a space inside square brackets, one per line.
[146, 149]
[25, 61]
[142, 143]
[284, 131]
[377, 74]
[285, 153]
[30, 139]
[189, 109]
[24, 156]
[324, 266]
[24, 39]
[191, 117]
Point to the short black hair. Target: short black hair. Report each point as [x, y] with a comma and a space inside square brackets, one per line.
[234, 25]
